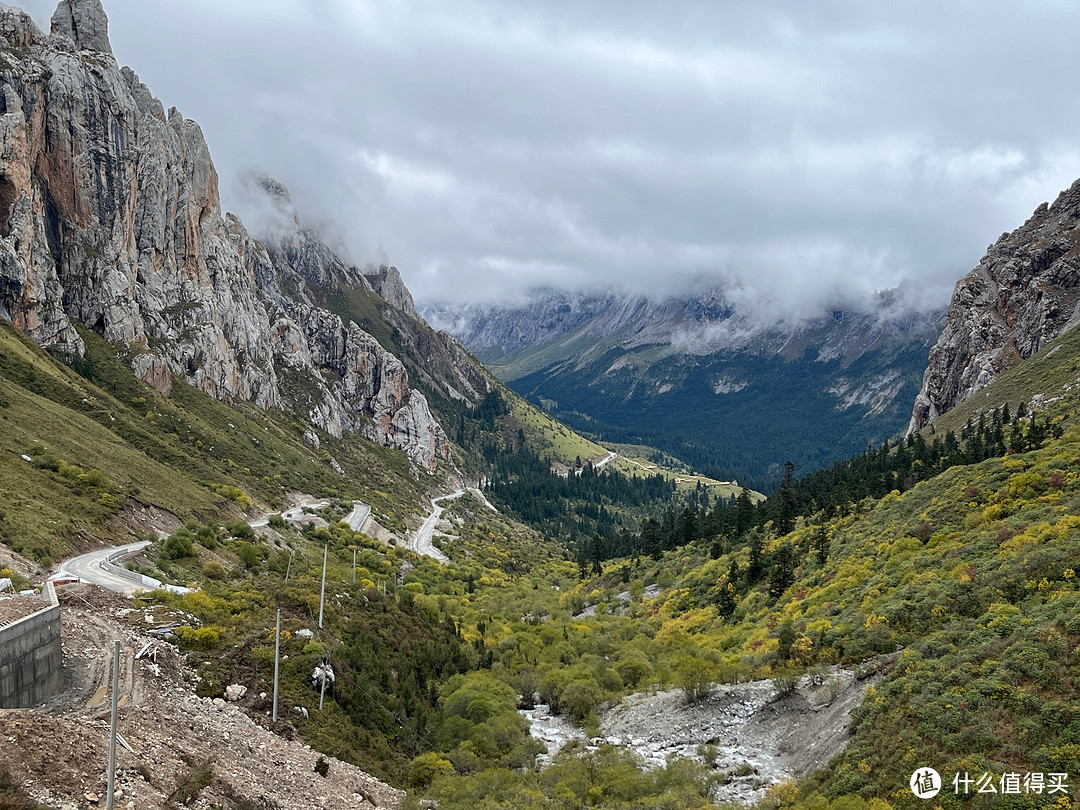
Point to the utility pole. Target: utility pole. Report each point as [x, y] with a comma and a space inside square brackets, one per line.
[277, 660]
[112, 735]
[288, 568]
[322, 593]
[322, 689]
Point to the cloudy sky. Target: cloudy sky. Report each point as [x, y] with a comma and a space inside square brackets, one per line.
[802, 152]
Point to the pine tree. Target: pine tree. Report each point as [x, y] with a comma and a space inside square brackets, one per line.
[744, 513]
[783, 571]
[819, 542]
[787, 503]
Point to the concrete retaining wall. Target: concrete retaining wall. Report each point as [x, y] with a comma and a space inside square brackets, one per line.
[31, 661]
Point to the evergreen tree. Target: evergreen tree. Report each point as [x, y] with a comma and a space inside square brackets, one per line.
[756, 567]
[787, 503]
[744, 513]
[783, 571]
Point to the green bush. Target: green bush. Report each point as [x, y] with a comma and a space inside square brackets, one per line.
[202, 638]
[249, 555]
[580, 698]
[178, 545]
[695, 677]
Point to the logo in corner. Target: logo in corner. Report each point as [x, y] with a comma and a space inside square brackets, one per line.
[925, 783]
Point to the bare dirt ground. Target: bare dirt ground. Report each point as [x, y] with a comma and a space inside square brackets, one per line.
[18, 607]
[177, 749]
[20, 565]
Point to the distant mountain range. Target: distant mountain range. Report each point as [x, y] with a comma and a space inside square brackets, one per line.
[694, 377]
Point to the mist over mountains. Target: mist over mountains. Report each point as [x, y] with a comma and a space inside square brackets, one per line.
[706, 316]
[729, 391]
[799, 150]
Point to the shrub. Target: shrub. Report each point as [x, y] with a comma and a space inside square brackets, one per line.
[192, 783]
[314, 648]
[633, 667]
[249, 555]
[179, 544]
[203, 638]
[580, 698]
[785, 682]
[695, 677]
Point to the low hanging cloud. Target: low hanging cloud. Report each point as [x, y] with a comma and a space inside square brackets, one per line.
[798, 153]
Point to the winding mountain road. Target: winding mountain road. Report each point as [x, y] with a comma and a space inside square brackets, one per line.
[89, 568]
[421, 542]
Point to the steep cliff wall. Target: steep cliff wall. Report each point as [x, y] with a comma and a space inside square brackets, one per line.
[110, 216]
[1022, 295]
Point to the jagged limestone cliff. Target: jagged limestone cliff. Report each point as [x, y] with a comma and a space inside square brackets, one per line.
[1021, 296]
[110, 216]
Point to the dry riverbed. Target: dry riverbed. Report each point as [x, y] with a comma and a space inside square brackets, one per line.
[751, 733]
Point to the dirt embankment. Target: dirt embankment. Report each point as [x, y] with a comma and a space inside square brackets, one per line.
[177, 749]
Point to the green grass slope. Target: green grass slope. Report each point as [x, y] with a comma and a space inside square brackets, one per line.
[1047, 376]
[102, 445]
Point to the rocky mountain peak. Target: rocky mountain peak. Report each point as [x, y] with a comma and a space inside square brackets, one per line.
[84, 22]
[387, 282]
[1023, 294]
[110, 217]
[17, 27]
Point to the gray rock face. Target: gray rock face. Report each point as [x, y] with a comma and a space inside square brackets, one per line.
[84, 23]
[305, 266]
[110, 217]
[370, 394]
[386, 281]
[1023, 294]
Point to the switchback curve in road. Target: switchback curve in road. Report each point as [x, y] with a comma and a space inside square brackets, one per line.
[88, 567]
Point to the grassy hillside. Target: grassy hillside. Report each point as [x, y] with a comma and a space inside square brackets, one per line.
[1046, 377]
[103, 445]
[970, 576]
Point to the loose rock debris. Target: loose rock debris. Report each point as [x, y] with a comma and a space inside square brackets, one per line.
[177, 748]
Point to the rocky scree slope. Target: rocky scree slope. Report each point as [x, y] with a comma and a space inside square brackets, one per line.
[110, 217]
[1021, 296]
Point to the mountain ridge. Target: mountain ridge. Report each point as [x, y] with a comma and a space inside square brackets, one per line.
[110, 216]
[632, 369]
[1022, 295]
